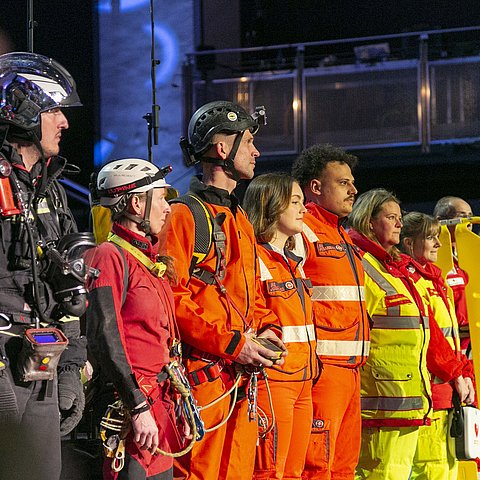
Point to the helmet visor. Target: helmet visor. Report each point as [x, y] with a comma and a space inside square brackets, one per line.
[46, 82]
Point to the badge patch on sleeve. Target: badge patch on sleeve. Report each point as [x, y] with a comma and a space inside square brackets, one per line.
[398, 299]
[317, 425]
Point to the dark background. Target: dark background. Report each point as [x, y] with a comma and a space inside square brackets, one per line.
[418, 179]
[280, 21]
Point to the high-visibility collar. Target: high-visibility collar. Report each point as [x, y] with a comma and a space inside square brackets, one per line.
[156, 268]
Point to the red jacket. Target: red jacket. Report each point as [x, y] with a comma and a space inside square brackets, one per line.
[131, 338]
[334, 265]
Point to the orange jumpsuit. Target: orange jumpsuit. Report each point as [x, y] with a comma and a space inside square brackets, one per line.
[334, 265]
[212, 326]
[281, 453]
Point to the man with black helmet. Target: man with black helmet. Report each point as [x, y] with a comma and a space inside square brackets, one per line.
[38, 323]
[217, 300]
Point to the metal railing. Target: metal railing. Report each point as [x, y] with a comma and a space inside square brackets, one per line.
[415, 88]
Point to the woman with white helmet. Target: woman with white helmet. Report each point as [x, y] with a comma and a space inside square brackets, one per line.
[130, 320]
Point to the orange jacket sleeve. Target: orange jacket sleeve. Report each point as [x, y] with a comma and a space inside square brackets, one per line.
[202, 314]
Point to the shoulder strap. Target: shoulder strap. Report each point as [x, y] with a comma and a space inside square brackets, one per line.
[208, 230]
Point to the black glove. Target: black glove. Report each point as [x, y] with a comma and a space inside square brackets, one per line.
[71, 399]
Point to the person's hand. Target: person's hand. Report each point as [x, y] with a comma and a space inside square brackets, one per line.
[254, 354]
[471, 391]
[145, 430]
[71, 399]
[461, 388]
[270, 335]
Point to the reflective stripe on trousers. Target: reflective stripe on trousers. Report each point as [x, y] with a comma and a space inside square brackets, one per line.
[392, 403]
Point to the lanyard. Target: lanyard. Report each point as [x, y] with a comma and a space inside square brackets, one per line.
[157, 269]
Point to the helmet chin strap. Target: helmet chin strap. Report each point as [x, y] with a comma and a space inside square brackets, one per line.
[228, 164]
[143, 223]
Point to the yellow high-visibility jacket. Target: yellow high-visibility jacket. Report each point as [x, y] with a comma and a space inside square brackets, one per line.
[395, 383]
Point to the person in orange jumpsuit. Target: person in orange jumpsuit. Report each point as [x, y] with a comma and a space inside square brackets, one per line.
[218, 305]
[335, 268]
[274, 204]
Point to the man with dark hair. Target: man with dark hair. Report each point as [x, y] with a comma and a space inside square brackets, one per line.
[39, 302]
[334, 265]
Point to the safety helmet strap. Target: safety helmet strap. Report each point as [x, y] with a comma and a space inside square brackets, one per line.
[229, 163]
[143, 222]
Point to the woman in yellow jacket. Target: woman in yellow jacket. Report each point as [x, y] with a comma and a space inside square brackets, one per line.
[419, 239]
[395, 382]
[274, 204]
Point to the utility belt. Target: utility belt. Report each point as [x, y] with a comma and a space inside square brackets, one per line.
[216, 367]
[16, 323]
[155, 388]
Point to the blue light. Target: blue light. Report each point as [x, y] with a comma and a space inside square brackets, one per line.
[168, 47]
[102, 149]
[106, 5]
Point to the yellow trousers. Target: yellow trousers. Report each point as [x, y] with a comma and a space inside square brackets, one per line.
[387, 453]
[433, 458]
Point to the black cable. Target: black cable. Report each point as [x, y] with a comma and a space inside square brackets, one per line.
[31, 24]
[152, 117]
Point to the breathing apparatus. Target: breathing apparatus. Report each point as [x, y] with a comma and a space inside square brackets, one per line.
[219, 117]
[68, 272]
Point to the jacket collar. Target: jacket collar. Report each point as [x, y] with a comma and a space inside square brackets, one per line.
[138, 241]
[367, 245]
[288, 254]
[323, 215]
[213, 195]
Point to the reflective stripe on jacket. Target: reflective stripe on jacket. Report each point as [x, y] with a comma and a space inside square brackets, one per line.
[395, 383]
[287, 293]
[334, 265]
